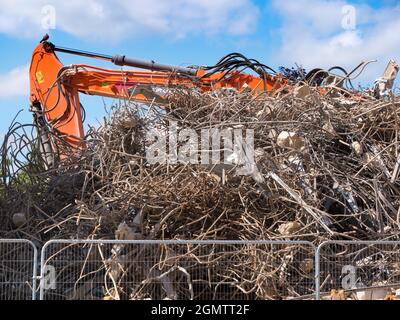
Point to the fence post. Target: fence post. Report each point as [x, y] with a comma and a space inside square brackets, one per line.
[317, 273]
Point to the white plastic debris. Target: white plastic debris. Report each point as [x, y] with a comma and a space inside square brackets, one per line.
[383, 86]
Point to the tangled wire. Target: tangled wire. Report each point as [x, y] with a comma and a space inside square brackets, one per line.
[325, 169]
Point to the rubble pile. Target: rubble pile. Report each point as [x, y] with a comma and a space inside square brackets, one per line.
[326, 167]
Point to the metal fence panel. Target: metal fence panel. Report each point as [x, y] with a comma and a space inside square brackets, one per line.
[220, 270]
[18, 265]
[344, 269]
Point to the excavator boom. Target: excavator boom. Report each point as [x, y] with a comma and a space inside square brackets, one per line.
[55, 88]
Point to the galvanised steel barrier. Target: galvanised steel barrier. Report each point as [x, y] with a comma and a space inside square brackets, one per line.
[359, 270]
[176, 269]
[18, 266]
[113, 269]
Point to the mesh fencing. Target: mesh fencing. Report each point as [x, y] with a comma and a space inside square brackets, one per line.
[359, 270]
[18, 261]
[177, 270]
[216, 270]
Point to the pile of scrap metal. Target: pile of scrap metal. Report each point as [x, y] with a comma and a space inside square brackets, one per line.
[326, 166]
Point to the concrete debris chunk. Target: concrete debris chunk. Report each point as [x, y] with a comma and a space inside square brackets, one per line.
[328, 127]
[357, 148]
[307, 266]
[291, 140]
[124, 232]
[372, 294]
[289, 228]
[272, 134]
[302, 92]
[19, 219]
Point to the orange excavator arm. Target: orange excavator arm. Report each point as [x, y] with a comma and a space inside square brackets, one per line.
[55, 88]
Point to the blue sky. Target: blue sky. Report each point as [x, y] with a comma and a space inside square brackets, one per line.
[307, 32]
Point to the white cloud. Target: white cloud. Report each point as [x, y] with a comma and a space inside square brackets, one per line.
[15, 83]
[312, 34]
[126, 18]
